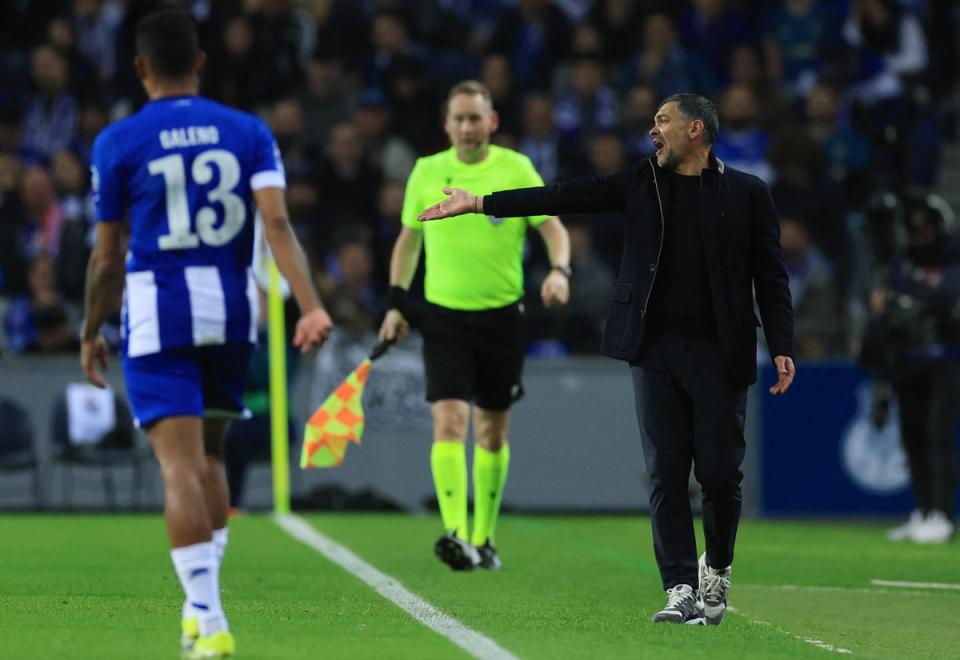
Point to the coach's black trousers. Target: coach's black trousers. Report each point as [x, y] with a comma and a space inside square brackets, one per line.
[689, 414]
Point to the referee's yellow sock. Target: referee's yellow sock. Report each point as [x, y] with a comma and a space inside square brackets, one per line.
[489, 478]
[448, 460]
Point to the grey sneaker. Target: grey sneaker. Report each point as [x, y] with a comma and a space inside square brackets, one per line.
[714, 584]
[489, 559]
[683, 606]
[456, 553]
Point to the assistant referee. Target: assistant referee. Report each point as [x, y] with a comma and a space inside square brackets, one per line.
[473, 335]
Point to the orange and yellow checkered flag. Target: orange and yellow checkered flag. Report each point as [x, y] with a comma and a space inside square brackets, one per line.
[339, 420]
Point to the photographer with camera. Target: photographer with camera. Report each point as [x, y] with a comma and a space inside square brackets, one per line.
[912, 345]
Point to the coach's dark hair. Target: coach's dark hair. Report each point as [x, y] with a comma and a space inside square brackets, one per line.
[168, 41]
[694, 106]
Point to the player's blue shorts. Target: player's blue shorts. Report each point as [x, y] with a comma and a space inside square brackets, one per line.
[200, 381]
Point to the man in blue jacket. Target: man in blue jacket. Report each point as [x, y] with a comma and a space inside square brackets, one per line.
[699, 240]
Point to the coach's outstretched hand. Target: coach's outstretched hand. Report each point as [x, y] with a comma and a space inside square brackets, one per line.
[458, 202]
[313, 328]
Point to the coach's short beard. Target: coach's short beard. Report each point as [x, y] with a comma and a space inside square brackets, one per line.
[669, 160]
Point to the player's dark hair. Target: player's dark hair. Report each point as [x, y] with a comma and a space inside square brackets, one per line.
[694, 106]
[168, 41]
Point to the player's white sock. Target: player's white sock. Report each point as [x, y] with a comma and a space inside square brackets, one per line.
[197, 567]
[220, 539]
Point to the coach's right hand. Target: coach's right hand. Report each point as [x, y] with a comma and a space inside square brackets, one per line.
[395, 328]
[312, 330]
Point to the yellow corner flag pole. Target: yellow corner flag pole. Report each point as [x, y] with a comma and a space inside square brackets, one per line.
[279, 429]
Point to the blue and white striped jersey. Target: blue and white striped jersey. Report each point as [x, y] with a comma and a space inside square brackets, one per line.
[183, 169]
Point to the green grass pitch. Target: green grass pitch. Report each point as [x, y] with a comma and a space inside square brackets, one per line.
[100, 587]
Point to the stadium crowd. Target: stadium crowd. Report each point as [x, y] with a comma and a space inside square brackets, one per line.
[828, 101]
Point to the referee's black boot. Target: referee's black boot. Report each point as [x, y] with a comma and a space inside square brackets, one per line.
[456, 553]
[489, 559]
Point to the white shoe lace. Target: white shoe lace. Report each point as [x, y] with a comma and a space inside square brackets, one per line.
[714, 585]
[676, 597]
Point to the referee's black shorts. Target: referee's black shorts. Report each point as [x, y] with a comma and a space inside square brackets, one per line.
[474, 356]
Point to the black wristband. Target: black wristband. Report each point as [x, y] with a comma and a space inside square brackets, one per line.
[397, 299]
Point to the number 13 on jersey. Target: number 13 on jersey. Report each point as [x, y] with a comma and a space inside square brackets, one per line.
[173, 171]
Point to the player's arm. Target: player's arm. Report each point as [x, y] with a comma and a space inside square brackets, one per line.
[403, 266]
[555, 290]
[314, 325]
[104, 286]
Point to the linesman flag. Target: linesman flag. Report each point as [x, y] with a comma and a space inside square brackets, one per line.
[339, 420]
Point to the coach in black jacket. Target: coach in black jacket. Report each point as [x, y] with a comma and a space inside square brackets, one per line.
[699, 240]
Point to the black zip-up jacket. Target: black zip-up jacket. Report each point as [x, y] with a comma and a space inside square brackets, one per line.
[741, 241]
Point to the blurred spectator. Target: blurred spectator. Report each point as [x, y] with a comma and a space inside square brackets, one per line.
[890, 63]
[79, 211]
[495, 74]
[413, 102]
[619, 22]
[743, 143]
[579, 324]
[50, 121]
[846, 150]
[40, 321]
[327, 98]
[14, 263]
[747, 67]
[606, 155]
[44, 213]
[588, 106]
[11, 132]
[286, 121]
[231, 75]
[663, 64]
[891, 48]
[347, 286]
[81, 73]
[798, 34]
[815, 297]
[391, 43]
[640, 108]
[803, 191]
[711, 29]
[540, 140]
[278, 40]
[93, 119]
[385, 149]
[95, 23]
[348, 185]
[534, 35]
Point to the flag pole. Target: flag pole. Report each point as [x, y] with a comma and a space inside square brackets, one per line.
[279, 428]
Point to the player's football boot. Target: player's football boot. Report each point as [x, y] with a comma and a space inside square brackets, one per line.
[189, 631]
[218, 645]
[456, 553]
[683, 606]
[714, 584]
[489, 559]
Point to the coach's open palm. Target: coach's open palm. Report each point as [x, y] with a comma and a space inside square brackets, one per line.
[458, 202]
[312, 330]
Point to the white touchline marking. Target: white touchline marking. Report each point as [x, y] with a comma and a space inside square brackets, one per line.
[466, 638]
[815, 587]
[916, 585]
[808, 640]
